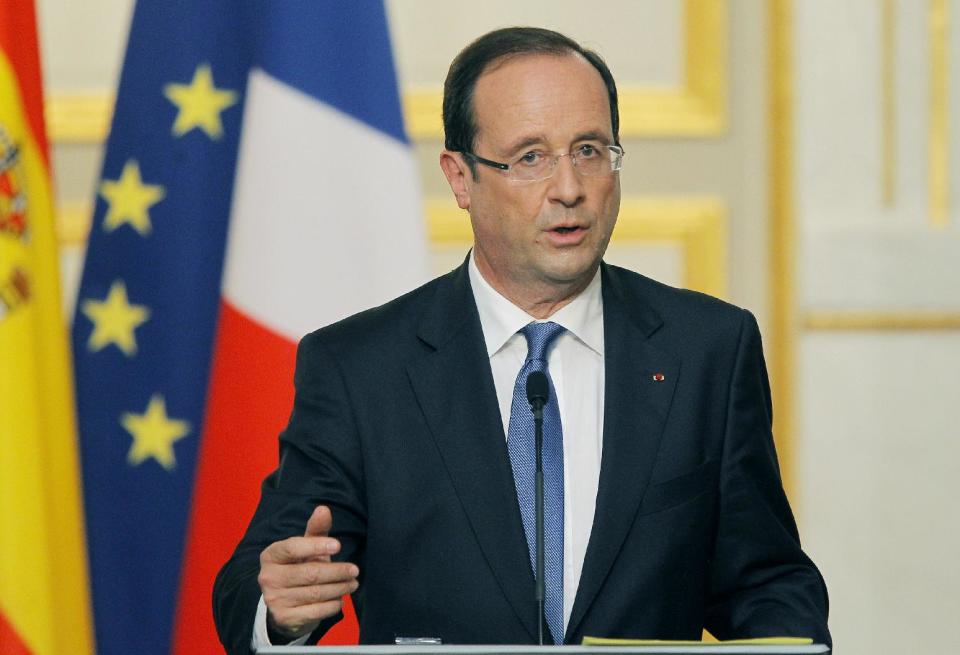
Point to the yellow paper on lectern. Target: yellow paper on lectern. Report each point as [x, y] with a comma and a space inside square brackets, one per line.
[769, 641]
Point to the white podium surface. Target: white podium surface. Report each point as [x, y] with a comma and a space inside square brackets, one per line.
[658, 649]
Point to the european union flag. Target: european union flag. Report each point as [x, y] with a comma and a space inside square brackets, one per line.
[147, 307]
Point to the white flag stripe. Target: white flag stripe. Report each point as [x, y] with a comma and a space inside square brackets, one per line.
[326, 217]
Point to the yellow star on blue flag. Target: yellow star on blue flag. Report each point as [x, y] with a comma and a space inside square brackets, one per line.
[154, 433]
[130, 200]
[114, 320]
[199, 103]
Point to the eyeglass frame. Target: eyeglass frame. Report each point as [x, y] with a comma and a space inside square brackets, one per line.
[553, 168]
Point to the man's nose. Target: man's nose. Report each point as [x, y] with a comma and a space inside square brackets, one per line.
[566, 184]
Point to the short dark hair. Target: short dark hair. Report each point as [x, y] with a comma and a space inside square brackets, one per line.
[459, 120]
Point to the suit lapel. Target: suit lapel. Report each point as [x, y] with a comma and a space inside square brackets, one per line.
[635, 410]
[454, 387]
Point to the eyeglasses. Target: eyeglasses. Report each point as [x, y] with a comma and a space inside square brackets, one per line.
[534, 166]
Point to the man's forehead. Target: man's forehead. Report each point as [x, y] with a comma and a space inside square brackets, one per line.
[528, 96]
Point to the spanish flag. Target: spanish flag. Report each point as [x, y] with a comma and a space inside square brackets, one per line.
[44, 605]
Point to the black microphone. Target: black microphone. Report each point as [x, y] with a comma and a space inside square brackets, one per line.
[538, 391]
[538, 394]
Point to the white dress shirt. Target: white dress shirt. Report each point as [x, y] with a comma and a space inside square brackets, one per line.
[576, 366]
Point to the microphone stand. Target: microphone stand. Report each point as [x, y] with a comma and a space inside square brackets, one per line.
[538, 394]
[538, 482]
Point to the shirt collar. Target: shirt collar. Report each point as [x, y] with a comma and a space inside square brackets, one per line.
[501, 319]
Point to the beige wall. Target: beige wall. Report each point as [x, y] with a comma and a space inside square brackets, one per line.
[872, 452]
[878, 441]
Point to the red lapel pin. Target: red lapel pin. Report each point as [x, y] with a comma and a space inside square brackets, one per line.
[658, 377]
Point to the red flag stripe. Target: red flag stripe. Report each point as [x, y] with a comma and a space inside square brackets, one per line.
[251, 393]
[18, 40]
[239, 443]
[10, 641]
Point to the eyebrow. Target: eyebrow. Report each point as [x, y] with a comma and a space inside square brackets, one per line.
[593, 136]
[524, 142]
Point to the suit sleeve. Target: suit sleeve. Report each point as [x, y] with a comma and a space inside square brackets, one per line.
[762, 583]
[320, 464]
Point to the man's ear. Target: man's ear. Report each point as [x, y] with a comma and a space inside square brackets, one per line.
[459, 176]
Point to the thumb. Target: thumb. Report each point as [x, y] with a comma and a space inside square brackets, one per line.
[320, 522]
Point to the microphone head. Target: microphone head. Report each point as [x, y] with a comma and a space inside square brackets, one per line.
[538, 389]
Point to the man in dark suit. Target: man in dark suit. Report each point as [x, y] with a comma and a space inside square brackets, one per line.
[406, 469]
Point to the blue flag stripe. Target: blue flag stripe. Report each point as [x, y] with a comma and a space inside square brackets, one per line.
[335, 52]
[137, 513]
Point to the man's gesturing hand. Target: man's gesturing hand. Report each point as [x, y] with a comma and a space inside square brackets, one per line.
[300, 585]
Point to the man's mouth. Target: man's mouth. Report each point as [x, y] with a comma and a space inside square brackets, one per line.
[567, 235]
[567, 228]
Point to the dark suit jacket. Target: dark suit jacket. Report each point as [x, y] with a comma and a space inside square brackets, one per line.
[396, 427]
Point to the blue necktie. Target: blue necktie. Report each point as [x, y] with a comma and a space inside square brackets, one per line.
[520, 443]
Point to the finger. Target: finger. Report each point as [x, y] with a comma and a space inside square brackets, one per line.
[299, 549]
[299, 596]
[300, 620]
[306, 574]
[320, 522]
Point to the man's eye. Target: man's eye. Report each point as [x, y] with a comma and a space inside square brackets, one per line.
[588, 151]
[531, 158]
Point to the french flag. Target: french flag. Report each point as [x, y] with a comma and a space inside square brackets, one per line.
[285, 197]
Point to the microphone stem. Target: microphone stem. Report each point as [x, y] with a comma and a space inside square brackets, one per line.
[538, 439]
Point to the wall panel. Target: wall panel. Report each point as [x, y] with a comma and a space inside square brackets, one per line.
[878, 461]
[878, 259]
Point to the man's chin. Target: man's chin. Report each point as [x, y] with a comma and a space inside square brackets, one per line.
[571, 274]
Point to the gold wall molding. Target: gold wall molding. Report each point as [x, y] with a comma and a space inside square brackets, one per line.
[939, 139]
[73, 223]
[698, 108]
[782, 240]
[79, 117]
[697, 225]
[865, 321]
[888, 102]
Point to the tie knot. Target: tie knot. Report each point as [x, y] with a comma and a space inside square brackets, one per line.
[539, 338]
